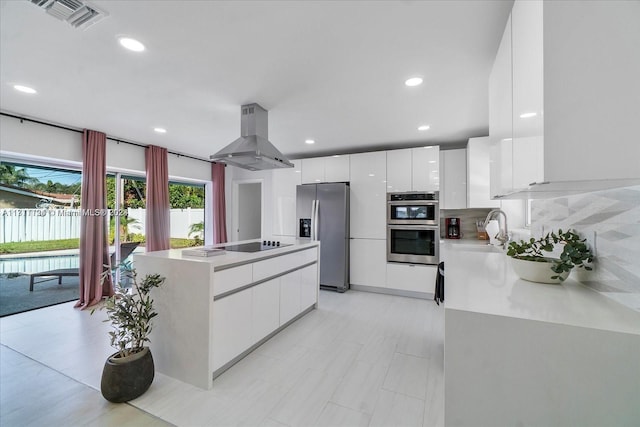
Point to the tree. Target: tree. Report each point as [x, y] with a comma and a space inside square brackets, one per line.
[11, 175]
[197, 229]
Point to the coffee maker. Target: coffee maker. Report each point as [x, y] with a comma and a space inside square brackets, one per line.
[453, 228]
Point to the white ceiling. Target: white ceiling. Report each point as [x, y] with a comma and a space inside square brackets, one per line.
[332, 71]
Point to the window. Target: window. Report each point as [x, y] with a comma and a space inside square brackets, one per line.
[187, 202]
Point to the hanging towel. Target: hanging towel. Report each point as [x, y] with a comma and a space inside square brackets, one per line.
[438, 296]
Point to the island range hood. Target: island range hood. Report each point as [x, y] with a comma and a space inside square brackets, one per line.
[252, 150]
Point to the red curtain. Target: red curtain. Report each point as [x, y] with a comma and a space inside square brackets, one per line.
[157, 217]
[94, 244]
[219, 205]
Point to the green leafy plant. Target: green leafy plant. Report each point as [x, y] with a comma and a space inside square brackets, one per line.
[197, 229]
[575, 252]
[130, 311]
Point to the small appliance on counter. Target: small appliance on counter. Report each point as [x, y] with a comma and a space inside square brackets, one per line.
[452, 226]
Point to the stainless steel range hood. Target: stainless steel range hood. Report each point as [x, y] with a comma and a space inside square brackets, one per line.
[252, 150]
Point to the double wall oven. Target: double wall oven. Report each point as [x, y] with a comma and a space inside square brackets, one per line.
[413, 228]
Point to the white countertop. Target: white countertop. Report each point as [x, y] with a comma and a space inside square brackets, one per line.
[232, 258]
[480, 279]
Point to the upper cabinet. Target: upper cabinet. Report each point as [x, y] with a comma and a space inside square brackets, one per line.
[563, 105]
[325, 169]
[368, 200]
[478, 173]
[453, 188]
[399, 170]
[284, 199]
[413, 169]
[425, 168]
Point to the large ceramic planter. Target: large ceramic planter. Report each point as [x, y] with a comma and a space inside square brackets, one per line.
[125, 378]
[537, 271]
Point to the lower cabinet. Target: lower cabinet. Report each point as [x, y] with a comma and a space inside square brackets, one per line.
[411, 277]
[242, 319]
[308, 286]
[289, 296]
[265, 312]
[231, 326]
[368, 262]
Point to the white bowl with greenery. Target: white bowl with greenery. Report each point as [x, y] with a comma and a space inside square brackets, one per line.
[529, 260]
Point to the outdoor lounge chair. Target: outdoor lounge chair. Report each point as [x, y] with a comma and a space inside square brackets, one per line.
[125, 250]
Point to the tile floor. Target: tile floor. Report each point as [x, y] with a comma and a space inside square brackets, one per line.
[359, 359]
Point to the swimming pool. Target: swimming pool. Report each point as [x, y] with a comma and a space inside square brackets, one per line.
[38, 264]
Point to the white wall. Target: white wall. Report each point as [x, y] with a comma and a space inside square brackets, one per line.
[233, 175]
[61, 147]
[39, 141]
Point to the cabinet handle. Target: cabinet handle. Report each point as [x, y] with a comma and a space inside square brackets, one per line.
[538, 183]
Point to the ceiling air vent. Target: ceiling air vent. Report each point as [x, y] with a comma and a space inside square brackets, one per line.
[76, 13]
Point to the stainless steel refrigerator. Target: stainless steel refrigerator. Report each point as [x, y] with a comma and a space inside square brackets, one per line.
[322, 213]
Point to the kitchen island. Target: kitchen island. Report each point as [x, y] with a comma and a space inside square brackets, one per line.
[213, 311]
[523, 353]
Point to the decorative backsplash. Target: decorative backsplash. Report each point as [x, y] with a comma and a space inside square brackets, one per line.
[614, 216]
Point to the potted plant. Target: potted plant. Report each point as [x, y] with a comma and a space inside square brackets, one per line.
[530, 263]
[129, 371]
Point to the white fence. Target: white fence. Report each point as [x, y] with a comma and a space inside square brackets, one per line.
[23, 225]
[180, 219]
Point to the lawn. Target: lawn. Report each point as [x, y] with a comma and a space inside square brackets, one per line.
[38, 246]
[55, 245]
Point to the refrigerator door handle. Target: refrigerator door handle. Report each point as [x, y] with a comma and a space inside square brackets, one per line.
[315, 224]
[313, 220]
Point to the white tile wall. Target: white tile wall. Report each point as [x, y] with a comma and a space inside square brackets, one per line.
[614, 217]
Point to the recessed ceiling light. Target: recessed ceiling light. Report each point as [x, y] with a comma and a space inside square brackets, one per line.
[372, 174]
[424, 127]
[298, 171]
[335, 155]
[25, 89]
[160, 130]
[309, 141]
[413, 81]
[131, 44]
[432, 161]
[527, 115]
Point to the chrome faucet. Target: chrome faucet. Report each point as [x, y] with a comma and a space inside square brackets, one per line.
[502, 236]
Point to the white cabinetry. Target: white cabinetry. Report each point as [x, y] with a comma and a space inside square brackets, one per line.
[425, 170]
[231, 327]
[308, 286]
[413, 169]
[368, 262]
[573, 112]
[265, 310]
[478, 172]
[527, 74]
[284, 199]
[453, 188]
[399, 170]
[325, 169]
[411, 277]
[289, 296]
[368, 202]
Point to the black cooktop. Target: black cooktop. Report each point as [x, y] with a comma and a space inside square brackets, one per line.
[254, 246]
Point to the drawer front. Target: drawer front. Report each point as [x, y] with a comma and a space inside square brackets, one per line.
[411, 277]
[232, 278]
[273, 266]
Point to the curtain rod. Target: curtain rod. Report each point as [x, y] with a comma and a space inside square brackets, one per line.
[118, 140]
